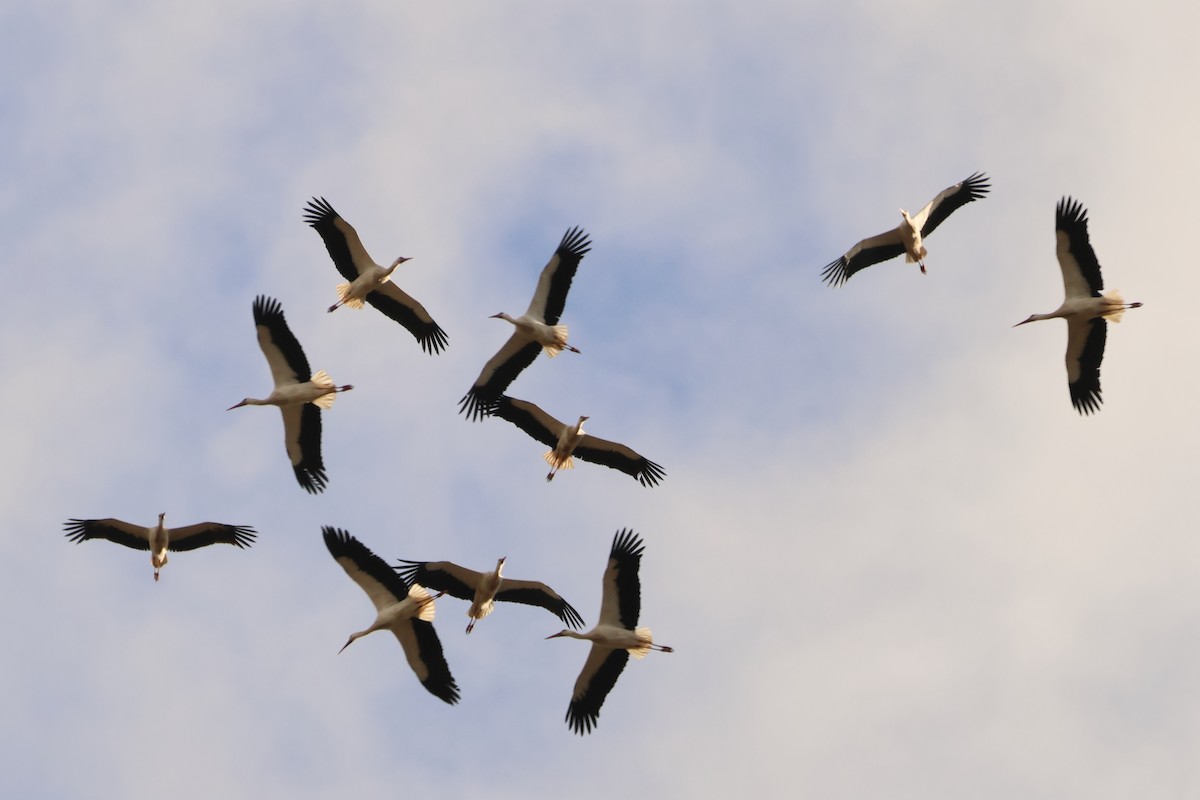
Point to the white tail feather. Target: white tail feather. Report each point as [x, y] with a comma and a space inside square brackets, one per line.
[1114, 299]
[554, 460]
[645, 639]
[560, 341]
[419, 594]
[343, 290]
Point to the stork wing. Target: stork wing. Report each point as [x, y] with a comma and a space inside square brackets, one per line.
[423, 650]
[500, 371]
[283, 352]
[341, 240]
[401, 307]
[114, 530]
[621, 599]
[618, 456]
[302, 435]
[442, 576]
[536, 593]
[529, 418]
[1085, 351]
[369, 571]
[867, 252]
[950, 200]
[596, 679]
[1076, 259]
[203, 534]
[555, 280]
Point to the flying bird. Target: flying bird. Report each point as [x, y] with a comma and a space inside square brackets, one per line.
[483, 589]
[406, 609]
[299, 394]
[369, 281]
[1085, 307]
[907, 236]
[536, 330]
[158, 539]
[614, 638]
[569, 441]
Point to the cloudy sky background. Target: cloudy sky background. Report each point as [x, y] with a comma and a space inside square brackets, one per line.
[893, 560]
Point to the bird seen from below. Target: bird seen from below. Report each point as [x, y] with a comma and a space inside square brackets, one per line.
[1086, 306]
[158, 539]
[536, 330]
[615, 637]
[299, 393]
[406, 609]
[570, 441]
[484, 589]
[369, 281]
[907, 237]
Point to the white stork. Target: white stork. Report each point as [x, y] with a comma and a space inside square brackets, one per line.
[1085, 307]
[536, 330]
[299, 394]
[403, 608]
[568, 441]
[158, 539]
[484, 589]
[369, 281]
[906, 237]
[614, 638]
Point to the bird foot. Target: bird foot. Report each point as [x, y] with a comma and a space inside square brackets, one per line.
[923, 272]
[156, 576]
[571, 348]
[550, 477]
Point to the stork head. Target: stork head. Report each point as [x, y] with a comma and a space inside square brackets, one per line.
[501, 315]
[500, 564]
[397, 263]
[563, 632]
[1032, 318]
[238, 405]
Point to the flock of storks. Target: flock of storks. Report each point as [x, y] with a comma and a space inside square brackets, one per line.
[403, 595]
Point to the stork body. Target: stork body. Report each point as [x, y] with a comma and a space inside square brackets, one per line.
[570, 441]
[158, 539]
[299, 394]
[485, 589]
[536, 330]
[907, 238]
[1086, 306]
[615, 637]
[406, 609]
[367, 281]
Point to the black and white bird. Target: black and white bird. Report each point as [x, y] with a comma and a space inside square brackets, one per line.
[368, 281]
[158, 539]
[906, 238]
[569, 441]
[484, 589]
[615, 637]
[1086, 306]
[406, 609]
[536, 330]
[299, 393]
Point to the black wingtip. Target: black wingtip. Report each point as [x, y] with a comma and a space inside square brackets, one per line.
[836, 272]
[575, 243]
[312, 480]
[651, 474]
[318, 212]
[476, 406]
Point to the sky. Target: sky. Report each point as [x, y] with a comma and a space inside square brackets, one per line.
[892, 559]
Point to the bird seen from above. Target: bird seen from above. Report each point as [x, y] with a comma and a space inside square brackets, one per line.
[615, 637]
[368, 281]
[158, 539]
[299, 393]
[570, 441]
[535, 330]
[907, 237]
[484, 589]
[404, 608]
[1086, 306]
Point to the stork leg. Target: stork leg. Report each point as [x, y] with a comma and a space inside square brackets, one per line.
[922, 263]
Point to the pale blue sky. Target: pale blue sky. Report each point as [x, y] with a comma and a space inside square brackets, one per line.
[893, 560]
